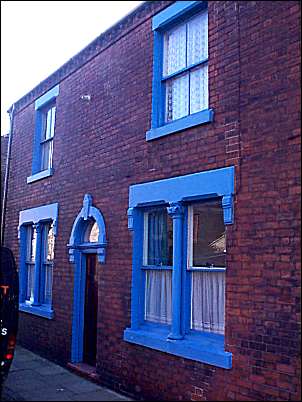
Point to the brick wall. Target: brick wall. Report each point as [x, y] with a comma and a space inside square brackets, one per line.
[100, 148]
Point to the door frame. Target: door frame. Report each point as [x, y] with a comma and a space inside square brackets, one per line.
[77, 252]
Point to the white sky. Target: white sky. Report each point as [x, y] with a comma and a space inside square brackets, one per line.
[37, 37]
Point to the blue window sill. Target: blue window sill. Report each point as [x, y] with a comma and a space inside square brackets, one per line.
[205, 116]
[42, 311]
[40, 175]
[199, 346]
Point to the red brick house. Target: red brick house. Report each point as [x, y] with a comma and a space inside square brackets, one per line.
[154, 204]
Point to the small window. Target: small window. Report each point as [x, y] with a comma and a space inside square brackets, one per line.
[158, 255]
[45, 127]
[39, 256]
[47, 135]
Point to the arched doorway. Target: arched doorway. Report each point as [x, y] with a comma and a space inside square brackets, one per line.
[87, 245]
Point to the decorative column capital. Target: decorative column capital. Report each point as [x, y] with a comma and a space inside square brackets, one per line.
[38, 227]
[130, 218]
[227, 206]
[175, 210]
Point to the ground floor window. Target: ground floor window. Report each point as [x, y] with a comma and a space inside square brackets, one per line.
[179, 264]
[37, 244]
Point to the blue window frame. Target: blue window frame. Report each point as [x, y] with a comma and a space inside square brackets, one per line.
[176, 263]
[45, 109]
[180, 69]
[37, 229]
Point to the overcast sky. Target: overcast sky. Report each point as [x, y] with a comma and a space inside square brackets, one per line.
[37, 37]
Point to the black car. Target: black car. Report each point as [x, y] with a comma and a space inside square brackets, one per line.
[9, 307]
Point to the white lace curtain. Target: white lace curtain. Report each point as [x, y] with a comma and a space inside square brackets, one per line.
[158, 296]
[183, 47]
[208, 293]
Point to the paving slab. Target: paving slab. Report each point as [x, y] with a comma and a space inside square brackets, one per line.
[33, 378]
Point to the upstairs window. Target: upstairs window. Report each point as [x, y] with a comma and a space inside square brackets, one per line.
[47, 134]
[185, 68]
[180, 89]
[43, 144]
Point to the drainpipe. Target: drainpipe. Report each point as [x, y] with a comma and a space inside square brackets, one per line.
[7, 165]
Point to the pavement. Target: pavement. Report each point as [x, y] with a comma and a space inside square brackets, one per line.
[33, 378]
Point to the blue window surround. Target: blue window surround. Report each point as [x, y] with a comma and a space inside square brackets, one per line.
[28, 217]
[176, 193]
[40, 103]
[77, 251]
[174, 14]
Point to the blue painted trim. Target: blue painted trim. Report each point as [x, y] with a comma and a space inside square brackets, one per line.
[41, 311]
[47, 97]
[176, 11]
[40, 103]
[218, 182]
[36, 161]
[203, 347]
[205, 116]
[174, 14]
[40, 175]
[78, 308]
[138, 276]
[88, 211]
[228, 213]
[176, 211]
[159, 267]
[158, 92]
[77, 250]
[186, 280]
[38, 265]
[42, 213]
[22, 265]
[181, 71]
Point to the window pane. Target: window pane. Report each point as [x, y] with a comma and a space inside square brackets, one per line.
[53, 119]
[175, 50]
[31, 244]
[158, 296]
[47, 151]
[160, 238]
[208, 290]
[30, 281]
[209, 243]
[49, 243]
[48, 123]
[48, 283]
[197, 46]
[92, 233]
[199, 97]
[177, 98]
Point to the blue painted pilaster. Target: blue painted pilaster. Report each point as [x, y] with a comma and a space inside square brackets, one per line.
[136, 225]
[22, 268]
[78, 309]
[36, 301]
[176, 211]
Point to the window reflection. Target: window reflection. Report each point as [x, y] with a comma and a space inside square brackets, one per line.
[92, 233]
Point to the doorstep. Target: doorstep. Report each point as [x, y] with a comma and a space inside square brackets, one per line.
[84, 370]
